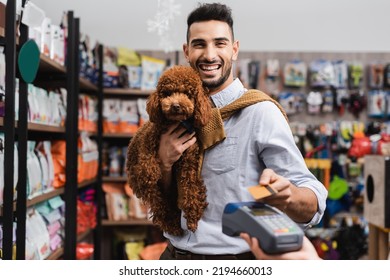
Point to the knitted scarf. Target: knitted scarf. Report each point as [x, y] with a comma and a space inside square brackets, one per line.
[213, 132]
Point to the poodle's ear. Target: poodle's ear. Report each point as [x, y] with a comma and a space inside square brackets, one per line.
[202, 112]
[153, 108]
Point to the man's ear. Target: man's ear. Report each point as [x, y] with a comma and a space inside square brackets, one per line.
[185, 51]
[236, 49]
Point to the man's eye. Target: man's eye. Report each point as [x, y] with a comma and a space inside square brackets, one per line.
[198, 45]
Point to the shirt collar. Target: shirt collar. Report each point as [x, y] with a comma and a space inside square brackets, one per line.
[229, 94]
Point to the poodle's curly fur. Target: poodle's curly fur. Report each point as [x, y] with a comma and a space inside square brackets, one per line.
[179, 96]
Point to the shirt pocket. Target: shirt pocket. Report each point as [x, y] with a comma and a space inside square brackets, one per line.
[223, 157]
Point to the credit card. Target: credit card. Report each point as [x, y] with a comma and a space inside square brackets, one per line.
[259, 192]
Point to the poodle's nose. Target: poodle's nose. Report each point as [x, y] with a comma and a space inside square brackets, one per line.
[176, 107]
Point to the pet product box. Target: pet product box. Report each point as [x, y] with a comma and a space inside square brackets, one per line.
[377, 190]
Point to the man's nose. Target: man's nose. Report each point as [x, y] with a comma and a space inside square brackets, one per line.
[210, 53]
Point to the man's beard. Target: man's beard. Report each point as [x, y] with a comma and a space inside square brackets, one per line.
[217, 83]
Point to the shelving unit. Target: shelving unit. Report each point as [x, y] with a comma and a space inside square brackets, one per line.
[9, 129]
[107, 227]
[50, 74]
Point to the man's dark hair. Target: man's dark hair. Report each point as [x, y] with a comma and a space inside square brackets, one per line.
[210, 11]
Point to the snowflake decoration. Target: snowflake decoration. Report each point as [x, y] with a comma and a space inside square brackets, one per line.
[169, 8]
[160, 24]
[163, 21]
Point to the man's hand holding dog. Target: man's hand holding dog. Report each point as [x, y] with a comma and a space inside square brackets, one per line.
[172, 145]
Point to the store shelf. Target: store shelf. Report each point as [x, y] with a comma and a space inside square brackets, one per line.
[56, 254]
[45, 128]
[118, 135]
[86, 85]
[86, 183]
[45, 196]
[131, 222]
[127, 92]
[48, 65]
[50, 71]
[83, 235]
[39, 127]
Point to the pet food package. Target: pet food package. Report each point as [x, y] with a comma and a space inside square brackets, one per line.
[37, 234]
[116, 201]
[341, 74]
[57, 110]
[86, 58]
[137, 209]
[327, 106]
[248, 71]
[116, 158]
[87, 158]
[355, 75]
[376, 105]
[143, 114]
[292, 102]
[314, 101]
[33, 17]
[272, 68]
[127, 57]
[34, 172]
[39, 105]
[376, 74]
[271, 77]
[123, 76]
[152, 69]
[135, 76]
[254, 73]
[46, 36]
[86, 213]
[52, 215]
[111, 107]
[44, 148]
[16, 159]
[128, 116]
[57, 52]
[321, 73]
[88, 114]
[44, 165]
[58, 151]
[92, 114]
[295, 73]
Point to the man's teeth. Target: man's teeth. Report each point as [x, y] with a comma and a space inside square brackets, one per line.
[210, 68]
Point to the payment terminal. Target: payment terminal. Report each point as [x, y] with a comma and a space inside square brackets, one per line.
[275, 231]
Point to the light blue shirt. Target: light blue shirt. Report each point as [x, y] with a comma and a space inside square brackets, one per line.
[258, 137]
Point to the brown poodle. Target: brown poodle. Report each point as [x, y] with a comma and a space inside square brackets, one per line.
[179, 96]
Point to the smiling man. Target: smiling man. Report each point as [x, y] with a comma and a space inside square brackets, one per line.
[211, 50]
[258, 147]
